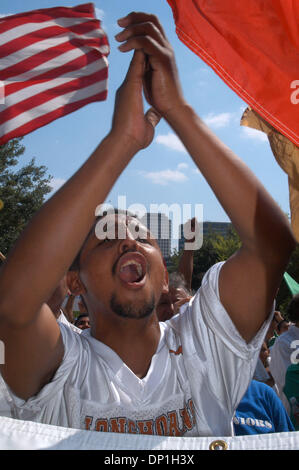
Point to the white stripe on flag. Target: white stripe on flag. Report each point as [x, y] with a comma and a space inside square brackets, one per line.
[29, 28]
[52, 64]
[43, 45]
[33, 90]
[52, 105]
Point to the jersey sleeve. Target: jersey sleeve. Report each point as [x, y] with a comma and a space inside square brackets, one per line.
[280, 354]
[43, 405]
[213, 346]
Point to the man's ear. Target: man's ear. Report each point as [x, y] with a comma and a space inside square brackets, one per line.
[74, 283]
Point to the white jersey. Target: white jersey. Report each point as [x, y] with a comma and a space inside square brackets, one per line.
[62, 319]
[281, 354]
[197, 377]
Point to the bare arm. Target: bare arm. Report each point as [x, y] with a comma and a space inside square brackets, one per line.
[186, 266]
[250, 278]
[187, 259]
[68, 309]
[33, 345]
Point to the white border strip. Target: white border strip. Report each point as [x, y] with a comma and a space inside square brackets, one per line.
[27, 435]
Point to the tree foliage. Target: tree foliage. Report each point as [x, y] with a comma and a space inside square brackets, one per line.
[22, 191]
[284, 295]
[217, 248]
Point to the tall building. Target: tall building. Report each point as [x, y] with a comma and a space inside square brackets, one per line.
[161, 227]
[218, 228]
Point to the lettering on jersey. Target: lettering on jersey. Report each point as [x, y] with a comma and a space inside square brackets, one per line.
[177, 352]
[88, 422]
[174, 423]
[101, 425]
[259, 423]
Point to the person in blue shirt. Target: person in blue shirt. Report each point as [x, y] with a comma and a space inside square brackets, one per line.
[261, 411]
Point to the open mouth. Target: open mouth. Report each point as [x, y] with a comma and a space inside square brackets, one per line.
[131, 269]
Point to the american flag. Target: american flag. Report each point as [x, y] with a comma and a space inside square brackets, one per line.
[52, 62]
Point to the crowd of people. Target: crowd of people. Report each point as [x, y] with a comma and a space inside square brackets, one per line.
[146, 354]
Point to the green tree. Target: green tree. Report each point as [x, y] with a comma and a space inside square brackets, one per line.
[22, 192]
[217, 248]
[226, 246]
[214, 248]
[204, 258]
[284, 295]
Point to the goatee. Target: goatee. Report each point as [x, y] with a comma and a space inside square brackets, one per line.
[130, 310]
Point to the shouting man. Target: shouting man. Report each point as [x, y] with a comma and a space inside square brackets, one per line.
[129, 373]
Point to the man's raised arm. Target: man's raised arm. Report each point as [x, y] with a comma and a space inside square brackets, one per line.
[45, 250]
[249, 280]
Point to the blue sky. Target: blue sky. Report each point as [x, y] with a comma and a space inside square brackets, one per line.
[163, 173]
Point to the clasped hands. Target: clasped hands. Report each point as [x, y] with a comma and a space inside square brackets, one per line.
[152, 70]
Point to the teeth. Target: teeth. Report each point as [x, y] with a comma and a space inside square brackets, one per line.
[138, 266]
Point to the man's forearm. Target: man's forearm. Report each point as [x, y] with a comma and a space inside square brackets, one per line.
[257, 218]
[49, 244]
[186, 266]
[68, 309]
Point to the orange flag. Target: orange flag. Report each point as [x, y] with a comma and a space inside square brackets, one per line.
[254, 47]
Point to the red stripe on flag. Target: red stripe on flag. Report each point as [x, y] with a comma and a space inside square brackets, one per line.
[46, 14]
[47, 118]
[67, 68]
[42, 57]
[48, 95]
[47, 33]
[36, 60]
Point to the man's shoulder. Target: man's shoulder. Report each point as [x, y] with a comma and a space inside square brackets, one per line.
[62, 319]
[259, 388]
[260, 392]
[72, 340]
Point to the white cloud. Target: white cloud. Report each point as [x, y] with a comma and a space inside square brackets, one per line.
[56, 183]
[99, 13]
[171, 141]
[254, 134]
[164, 177]
[218, 121]
[2, 15]
[182, 166]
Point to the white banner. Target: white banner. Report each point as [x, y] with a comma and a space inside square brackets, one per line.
[26, 435]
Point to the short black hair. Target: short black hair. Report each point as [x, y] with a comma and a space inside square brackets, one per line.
[279, 325]
[82, 315]
[293, 309]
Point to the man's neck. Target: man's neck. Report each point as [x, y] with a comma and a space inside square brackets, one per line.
[134, 341]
